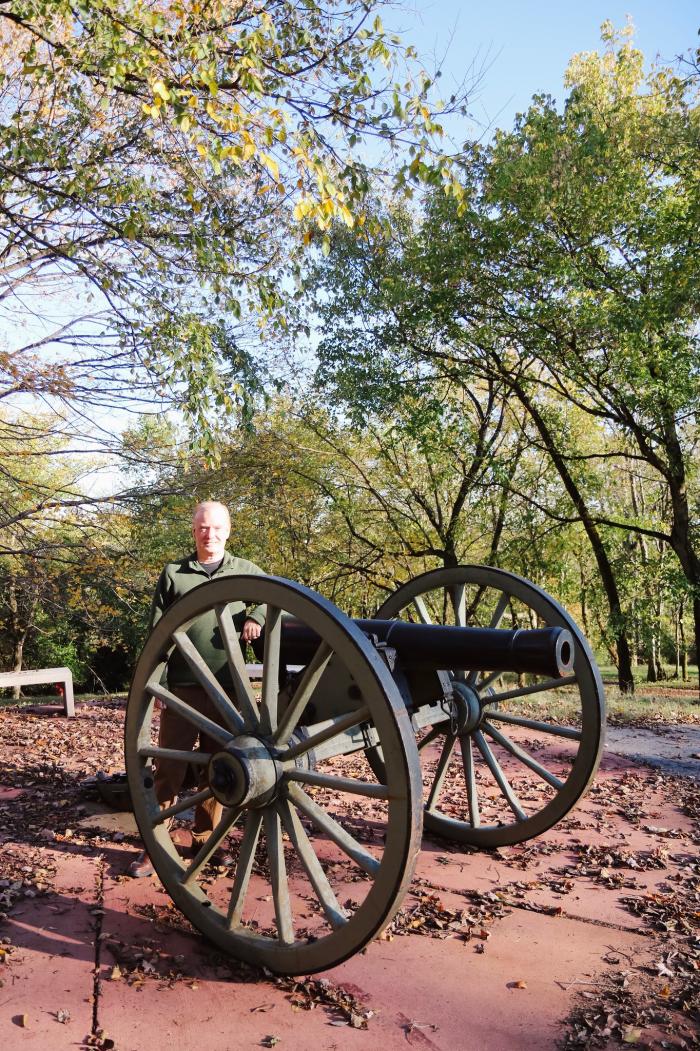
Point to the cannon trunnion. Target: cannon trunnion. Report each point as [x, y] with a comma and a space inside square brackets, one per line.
[471, 705]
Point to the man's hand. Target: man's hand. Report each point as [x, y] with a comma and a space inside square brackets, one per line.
[251, 630]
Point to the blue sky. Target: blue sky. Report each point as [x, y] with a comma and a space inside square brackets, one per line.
[526, 46]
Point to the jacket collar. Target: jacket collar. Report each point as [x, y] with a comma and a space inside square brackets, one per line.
[195, 565]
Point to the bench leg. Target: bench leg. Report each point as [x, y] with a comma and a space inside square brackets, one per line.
[68, 697]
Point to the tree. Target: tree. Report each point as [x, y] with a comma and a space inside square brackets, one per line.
[598, 206]
[567, 273]
[162, 168]
[158, 153]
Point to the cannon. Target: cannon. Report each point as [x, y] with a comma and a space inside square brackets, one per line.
[470, 705]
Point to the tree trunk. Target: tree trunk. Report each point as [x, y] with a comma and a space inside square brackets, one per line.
[652, 662]
[682, 540]
[17, 654]
[625, 677]
[683, 647]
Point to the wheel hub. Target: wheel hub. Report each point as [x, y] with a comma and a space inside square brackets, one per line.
[244, 774]
[468, 713]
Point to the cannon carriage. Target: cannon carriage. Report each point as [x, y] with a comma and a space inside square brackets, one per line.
[361, 734]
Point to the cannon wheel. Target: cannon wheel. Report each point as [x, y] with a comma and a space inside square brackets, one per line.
[290, 823]
[489, 750]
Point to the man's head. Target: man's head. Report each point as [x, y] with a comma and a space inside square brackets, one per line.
[211, 526]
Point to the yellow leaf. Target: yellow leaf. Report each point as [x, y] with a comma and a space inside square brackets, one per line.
[301, 209]
[271, 165]
[159, 88]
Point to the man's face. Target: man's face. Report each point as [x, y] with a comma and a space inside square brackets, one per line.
[211, 531]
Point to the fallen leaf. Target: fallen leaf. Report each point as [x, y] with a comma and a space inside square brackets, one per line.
[519, 984]
[630, 1035]
[62, 1016]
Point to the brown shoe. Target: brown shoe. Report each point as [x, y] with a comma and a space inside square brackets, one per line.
[141, 867]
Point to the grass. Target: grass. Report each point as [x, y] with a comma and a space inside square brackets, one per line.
[8, 701]
[609, 673]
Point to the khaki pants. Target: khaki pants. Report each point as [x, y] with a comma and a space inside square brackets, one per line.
[176, 732]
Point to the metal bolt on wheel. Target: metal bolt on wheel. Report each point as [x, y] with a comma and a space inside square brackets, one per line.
[509, 758]
[318, 855]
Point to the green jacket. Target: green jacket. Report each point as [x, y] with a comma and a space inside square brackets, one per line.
[175, 581]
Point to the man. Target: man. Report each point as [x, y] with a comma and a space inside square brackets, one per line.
[211, 526]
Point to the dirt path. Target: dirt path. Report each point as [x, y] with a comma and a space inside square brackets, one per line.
[673, 749]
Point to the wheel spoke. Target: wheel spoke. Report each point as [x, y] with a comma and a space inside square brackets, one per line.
[493, 676]
[422, 610]
[535, 687]
[317, 877]
[434, 732]
[278, 876]
[182, 804]
[236, 663]
[441, 770]
[329, 730]
[523, 756]
[569, 732]
[302, 695]
[335, 831]
[195, 758]
[221, 701]
[246, 857]
[338, 784]
[465, 745]
[496, 618]
[500, 777]
[203, 724]
[202, 857]
[271, 670]
[460, 605]
[501, 607]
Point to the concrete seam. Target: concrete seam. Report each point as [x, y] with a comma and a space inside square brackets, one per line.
[566, 915]
[98, 914]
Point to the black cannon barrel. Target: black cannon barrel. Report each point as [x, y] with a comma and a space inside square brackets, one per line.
[542, 651]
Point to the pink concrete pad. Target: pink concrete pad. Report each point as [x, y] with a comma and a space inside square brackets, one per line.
[592, 902]
[216, 1003]
[51, 968]
[444, 995]
[477, 870]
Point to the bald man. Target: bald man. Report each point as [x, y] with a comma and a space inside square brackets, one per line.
[211, 527]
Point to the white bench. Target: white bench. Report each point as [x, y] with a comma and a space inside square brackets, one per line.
[48, 675]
